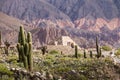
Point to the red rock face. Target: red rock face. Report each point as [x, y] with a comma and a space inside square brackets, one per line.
[96, 25]
[9, 27]
[50, 19]
[48, 35]
[52, 23]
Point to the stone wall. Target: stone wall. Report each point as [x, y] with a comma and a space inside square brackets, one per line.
[67, 41]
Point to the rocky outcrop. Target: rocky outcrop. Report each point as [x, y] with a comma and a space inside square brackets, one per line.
[97, 24]
[20, 73]
[47, 35]
[52, 23]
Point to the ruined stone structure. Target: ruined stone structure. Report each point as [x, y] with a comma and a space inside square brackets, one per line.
[67, 41]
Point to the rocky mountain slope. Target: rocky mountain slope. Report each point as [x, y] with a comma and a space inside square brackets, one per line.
[30, 10]
[61, 9]
[9, 27]
[91, 15]
[43, 36]
[77, 9]
[82, 19]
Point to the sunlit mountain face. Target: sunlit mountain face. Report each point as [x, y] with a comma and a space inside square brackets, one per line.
[83, 20]
[59, 39]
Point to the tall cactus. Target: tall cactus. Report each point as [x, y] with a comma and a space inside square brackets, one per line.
[24, 57]
[30, 62]
[19, 52]
[0, 38]
[98, 50]
[91, 54]
[76, 51]
[29, 40]
[100, 54]
[24, 48]
[85, 54]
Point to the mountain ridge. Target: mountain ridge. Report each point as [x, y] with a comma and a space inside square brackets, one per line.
[9, 26]
[80, 18]
[34, 10]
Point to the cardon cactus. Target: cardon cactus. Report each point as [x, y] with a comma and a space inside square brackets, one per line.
[100, 54]
[76, 52]
[0, 38]
[91, 55]
[24, 47]
[85, 54]
[97, 48]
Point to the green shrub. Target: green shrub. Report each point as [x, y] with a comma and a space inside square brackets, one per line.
[47, 63]
[11, 59]
[4, 70]
[62, 69]
[76, 77]
[53, 52]
[108, 60]
[118, 52]
[106, 48]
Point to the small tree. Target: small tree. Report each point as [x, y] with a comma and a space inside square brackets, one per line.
[44, 50]
[7, 45]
